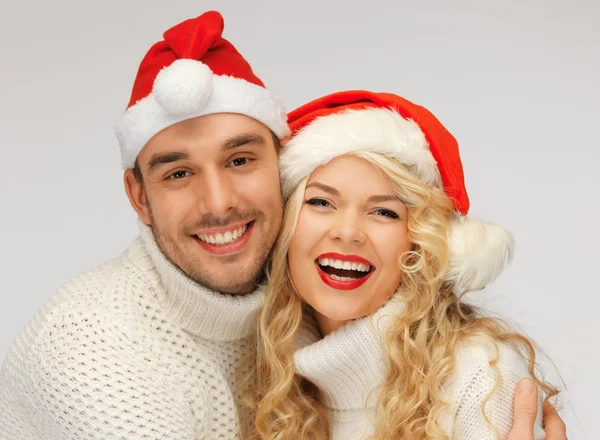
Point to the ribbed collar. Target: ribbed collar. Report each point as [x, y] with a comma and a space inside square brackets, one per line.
[197, 309]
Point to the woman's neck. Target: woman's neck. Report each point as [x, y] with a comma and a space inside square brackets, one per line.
[328, 325]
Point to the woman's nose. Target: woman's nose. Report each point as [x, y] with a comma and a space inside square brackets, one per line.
[348, 229]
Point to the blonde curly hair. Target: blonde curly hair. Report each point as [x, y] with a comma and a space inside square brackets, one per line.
[419, 345]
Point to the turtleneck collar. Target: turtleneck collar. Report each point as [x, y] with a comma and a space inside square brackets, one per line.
[197, 309]
[348, 364]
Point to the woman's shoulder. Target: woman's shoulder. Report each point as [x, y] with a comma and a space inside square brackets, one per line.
[486, 373]
[482, 365]
[484, 353]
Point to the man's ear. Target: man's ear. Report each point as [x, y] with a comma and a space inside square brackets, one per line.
[137, 196]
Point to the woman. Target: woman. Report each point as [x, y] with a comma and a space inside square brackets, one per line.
[363, 333]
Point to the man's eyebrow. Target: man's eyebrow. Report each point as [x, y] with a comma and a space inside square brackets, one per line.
[241, 140]
[163, 158]
[328, 189]
[385, 198]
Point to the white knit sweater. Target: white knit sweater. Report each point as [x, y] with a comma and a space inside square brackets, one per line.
[130, 350]
[348, 366]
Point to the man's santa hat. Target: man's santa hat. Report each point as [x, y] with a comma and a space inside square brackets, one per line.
[193, 72]
[347, 122]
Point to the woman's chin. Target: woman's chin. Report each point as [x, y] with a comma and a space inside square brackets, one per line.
[341, 314]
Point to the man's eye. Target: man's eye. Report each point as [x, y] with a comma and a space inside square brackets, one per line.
[318, 202]
[387, 213]
[179, 174]
[238, 162]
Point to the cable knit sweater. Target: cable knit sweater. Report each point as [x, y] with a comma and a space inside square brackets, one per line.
[130, 350]
[348, 366]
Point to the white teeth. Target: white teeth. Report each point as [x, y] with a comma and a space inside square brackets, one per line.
[335, 277]
[346, 265]
[221, 239]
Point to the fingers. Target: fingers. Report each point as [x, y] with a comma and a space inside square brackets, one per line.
[554, 426]
[525, 411]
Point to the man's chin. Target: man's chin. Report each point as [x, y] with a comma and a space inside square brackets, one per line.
[236, 274]
[226, 287]
[228, 277]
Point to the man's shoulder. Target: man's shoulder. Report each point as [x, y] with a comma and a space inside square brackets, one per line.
[105, 292]
[87, 347]
[130, 270]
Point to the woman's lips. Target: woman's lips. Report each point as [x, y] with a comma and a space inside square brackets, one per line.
[339, 284]
[355, 265]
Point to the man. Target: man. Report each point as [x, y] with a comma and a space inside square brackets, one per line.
[150, 345]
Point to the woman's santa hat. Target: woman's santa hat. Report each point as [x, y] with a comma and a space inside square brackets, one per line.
[193, 72]
[347, 122]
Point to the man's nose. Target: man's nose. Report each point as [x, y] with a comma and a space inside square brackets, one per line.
[218, 195]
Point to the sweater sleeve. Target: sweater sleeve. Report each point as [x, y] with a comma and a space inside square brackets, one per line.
[474, 381]
[83, 375]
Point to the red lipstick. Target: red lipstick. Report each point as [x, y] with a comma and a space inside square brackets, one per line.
[343, 285]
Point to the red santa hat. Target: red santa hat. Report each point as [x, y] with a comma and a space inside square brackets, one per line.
[193, 72]
[351, 121]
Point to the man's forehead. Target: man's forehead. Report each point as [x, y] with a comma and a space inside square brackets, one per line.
[216, 125]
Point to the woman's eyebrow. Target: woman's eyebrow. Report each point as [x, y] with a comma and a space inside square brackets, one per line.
[328, 189]
[384, 198]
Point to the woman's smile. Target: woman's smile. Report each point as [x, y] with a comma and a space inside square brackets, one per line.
[343, 272]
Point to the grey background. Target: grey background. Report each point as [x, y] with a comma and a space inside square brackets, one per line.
[516, 82]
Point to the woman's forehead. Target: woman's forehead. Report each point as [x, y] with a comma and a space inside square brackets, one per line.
[349, 172]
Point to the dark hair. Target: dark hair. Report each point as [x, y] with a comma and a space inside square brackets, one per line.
[276, 142]
[137, 172]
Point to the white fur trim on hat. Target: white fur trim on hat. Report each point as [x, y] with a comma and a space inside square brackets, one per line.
[378, 130]
[229, 95]
[479, 252]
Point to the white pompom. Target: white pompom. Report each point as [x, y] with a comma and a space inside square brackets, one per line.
[479, 252]
[184, 87]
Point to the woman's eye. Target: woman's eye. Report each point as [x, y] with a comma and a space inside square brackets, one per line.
[318, 202]
[179, 174]
[387, 213]
[238, 162]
